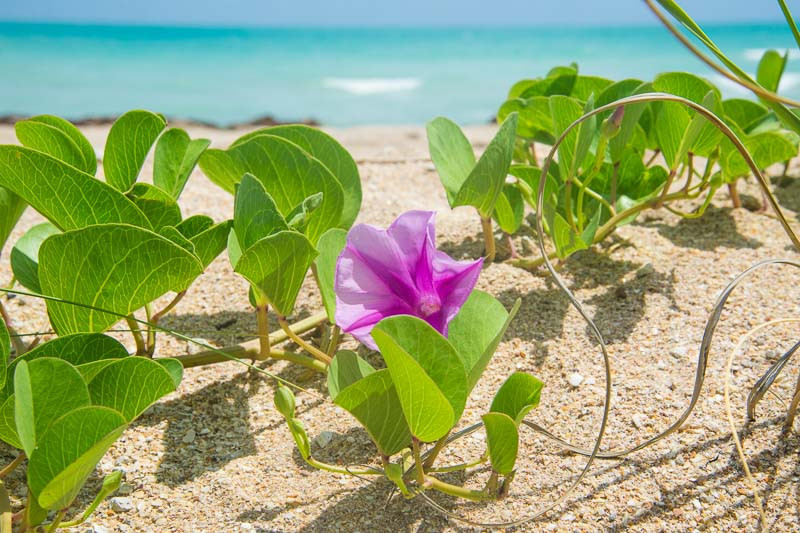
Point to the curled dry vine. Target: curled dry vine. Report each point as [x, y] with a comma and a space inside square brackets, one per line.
[705, 347]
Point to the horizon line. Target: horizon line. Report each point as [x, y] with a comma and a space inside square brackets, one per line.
[243, 26]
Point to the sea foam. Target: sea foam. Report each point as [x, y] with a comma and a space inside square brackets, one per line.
[362, 86]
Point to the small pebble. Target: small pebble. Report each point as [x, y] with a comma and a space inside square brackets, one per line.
[189, 437]
[639, 420]
[323, 439]
[678, 352]
[575, 379]
[121, 505]
[125, 489]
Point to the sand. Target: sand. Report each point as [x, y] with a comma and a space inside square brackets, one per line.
[216, 456]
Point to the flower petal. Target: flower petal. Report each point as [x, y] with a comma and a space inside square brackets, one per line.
[362, 297]
[454, 282]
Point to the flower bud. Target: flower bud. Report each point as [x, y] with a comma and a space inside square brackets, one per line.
[284, 401]
[612, 124]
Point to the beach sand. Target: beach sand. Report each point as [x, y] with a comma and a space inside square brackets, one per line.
[216, 455]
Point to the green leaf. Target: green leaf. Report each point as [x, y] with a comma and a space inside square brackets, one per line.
[175, 157]
[288, 173]
[535, 122]
[8, 427]
[427, 372]
[115, 267]
[586, 132]
[502, 441]
[58, 138]
[476, 331]
[88, 371]
[487, 177]
[587, 86]
[374, 402]
[69, 452]
[130, 139]
[158, 206]
[277, 266]
[567, 242]
[332, 154]
[45, 389]
[345, 369]
[66, 196]
[744, 113]
[174, 368]
[517, 396]
[509, 209]
[672, 122]
[451, 154]
[131, 385]
[5, 352]
[770, 70]
[11, 209]
[209, 239]
[564, 111]
[766, 148]
[25, 255]
[255, 214]
[330, 246]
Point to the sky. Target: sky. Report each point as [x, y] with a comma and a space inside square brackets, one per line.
[350, 13]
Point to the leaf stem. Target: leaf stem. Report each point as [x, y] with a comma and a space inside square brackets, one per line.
[10, 467]
[437, 448]
[734, 192]
[458, 492]
[136, 333]
[333, 342]
[313, 350]
[419, 466]
[56, 521]
[263, 330]
[488, 238]
[463, 466]
[344, 470]
[151, 334]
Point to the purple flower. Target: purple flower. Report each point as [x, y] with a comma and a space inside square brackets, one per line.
[399, 271]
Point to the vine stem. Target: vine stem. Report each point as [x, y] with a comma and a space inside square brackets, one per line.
[792, 412]
[249, 349]
[420, 467]
[434, 453]
[734, 192]
[10, 467]
[488, 238]
[333, 342]
[56, 521]
[313, 350]
[455, 490]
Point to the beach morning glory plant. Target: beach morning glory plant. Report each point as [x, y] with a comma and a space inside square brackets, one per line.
[436, 335]
[399, 271]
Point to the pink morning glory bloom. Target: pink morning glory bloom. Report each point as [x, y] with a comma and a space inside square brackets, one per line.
[399, 271]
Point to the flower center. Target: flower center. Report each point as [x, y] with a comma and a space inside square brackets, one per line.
[428, 304]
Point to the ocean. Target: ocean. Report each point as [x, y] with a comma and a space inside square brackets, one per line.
[339, 77]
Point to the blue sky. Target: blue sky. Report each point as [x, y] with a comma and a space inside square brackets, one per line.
[377, 13]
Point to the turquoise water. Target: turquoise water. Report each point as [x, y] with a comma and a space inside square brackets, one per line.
[337, 76]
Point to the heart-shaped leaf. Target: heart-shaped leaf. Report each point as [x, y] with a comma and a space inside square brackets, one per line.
[427, 372]
[131, 385]
[209, 239]
[45, 389]
[255, 214]
[5, 352]
[451, 153]
[66, 196]
[129, 140]
[330, 246]
[158, 206]
[374, 402]
[509, 209]
[58, 138]
[276, 266]
[78, 349]
[517, 396]
[345, 369]
[288, 173]
[25, 255]
[115, 267]
[332, 154]
[476, 331]
[535, 122]
[565, 110]
[11, 208]
[175, 157]
[744, 113]
[69, 452]
[502, 441]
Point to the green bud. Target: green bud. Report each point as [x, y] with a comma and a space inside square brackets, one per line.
[612, 124]
[284, 401]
